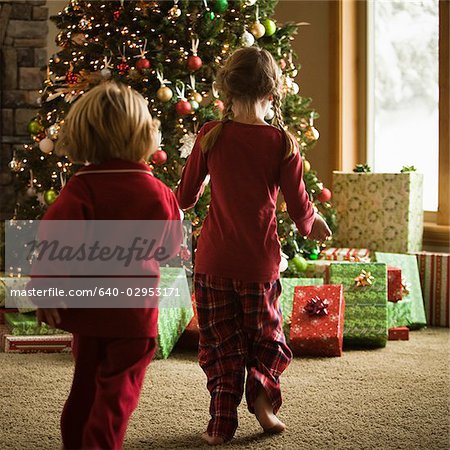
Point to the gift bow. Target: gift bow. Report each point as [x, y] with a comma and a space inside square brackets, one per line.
[364, 279]
[317, 307]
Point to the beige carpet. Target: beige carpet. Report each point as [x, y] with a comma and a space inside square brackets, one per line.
[395, 398]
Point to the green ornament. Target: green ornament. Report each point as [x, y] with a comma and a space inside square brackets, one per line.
[209, 15]
[34, 127]
[299, 263]
[50, 196]
[313, 256]
[220, 6]
[270, 27]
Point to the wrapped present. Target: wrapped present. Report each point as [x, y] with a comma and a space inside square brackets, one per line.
[365, 292]
[346, 254]
[55, 343]
[398, 334]
[286, 299]
[174, 313]
[395, 286]
[317, 324]
[410, 311]
[190, 337]
[379, 211]
[434, 272]
[27, 325]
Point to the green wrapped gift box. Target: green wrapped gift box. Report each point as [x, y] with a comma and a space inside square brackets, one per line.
[365, 293]
[175, 311]
[27, 325]
[287, 298]
[409, 311]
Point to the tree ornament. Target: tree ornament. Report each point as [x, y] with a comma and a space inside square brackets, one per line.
[258, 30]
[183, 107]
[324, 196]
[294, 88]
[270, 27]
[31, 192]
[197, 97]
[220, 6]
[106, 71]
[299, 263]
[194, 104]
[249, 2]
[314, 254]
[143, 64]
[38, 137]
[312, 134]
[50, 196]
[14, 165]
[52, 131]
[175, 12]
[117, 14]
[34, 127]
[194, 62]
[188, 141]
[270, 114]
[247, 39]
[218, 104]
[306, 166]
[71, 77]
[46, 145]
[123, 66]
[209, 16]
[164, 93]
[159, 157]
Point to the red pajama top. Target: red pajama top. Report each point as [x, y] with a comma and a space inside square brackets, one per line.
[247, 167]
[125, 191]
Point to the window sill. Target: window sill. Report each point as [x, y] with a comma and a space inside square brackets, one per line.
[436, 235]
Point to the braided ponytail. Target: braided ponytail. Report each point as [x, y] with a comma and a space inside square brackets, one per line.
[291, 144]
[209, 139]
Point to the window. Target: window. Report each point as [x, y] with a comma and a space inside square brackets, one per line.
[403, 91]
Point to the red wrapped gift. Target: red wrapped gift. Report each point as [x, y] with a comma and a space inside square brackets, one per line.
[189, 339]
[317, 321]
[32, 344]
[398, 334]
[395, 286]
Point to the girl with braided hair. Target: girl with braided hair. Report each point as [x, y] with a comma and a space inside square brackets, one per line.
[236, 276]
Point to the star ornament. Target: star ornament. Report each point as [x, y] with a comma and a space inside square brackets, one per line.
[364, 279]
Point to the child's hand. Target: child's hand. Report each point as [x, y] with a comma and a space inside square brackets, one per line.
[48, 315]
[320, 230]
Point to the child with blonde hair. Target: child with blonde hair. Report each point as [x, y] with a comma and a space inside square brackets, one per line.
[111, 128]
[236, 277]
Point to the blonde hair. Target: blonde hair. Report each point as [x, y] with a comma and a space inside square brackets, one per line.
[109, 121]
[248, 75]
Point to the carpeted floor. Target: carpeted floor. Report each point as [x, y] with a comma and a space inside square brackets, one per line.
[395, 398]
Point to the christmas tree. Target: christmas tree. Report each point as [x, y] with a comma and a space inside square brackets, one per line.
[169, 51]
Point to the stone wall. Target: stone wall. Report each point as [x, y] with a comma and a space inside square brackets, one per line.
[23, 53]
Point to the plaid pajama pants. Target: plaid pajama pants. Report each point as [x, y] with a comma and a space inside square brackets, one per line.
[240, 327]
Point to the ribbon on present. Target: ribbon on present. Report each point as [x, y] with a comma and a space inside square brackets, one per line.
[317, 307]
[364, 279]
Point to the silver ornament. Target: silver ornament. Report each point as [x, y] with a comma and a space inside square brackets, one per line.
[247, 39]
[270, 114]
[294, 89]
[105, 73]
[188, 141]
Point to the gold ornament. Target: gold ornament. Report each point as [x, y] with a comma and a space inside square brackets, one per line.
[283, 207]
[364, 279]
[306, 166]
[164, 94]
[258, 30]
[196, 96]
[174, 12]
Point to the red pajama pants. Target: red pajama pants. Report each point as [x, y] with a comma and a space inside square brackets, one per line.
[109, 373]
[240, 327]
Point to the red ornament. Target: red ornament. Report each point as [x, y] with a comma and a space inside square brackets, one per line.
[183, 108]
[159, 157]
[219, 105]
[123, 67]
[324, 196]
[117, 14]
[71, 77]
[194, 63]
[143, 64]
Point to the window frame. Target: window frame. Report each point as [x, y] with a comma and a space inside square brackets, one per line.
[349, 50]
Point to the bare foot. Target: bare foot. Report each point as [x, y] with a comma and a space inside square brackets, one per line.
[212, 440]
[264, 413]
